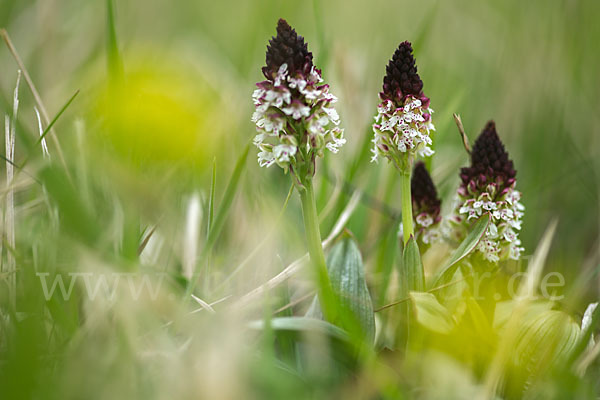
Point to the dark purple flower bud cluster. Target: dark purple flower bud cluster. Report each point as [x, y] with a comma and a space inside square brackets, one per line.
[401, 77]
[489, 163]
[403, 123]
[426, 204]
[294, 113]
[287, 48]
[488, 186]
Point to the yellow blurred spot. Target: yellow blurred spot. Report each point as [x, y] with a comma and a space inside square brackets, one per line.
[161, 113]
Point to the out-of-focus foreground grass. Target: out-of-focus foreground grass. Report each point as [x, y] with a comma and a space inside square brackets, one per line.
[171, 102]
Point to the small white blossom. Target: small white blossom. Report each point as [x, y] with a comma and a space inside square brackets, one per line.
[297, 110]
[501, 240]
[337, 140]
[405, 129]
[490, 250]
[299, 83]
[283, 152]
[266, 158]
[424, 220]
[431, 236]
[281, 74]
[278, 111]
[315, 75]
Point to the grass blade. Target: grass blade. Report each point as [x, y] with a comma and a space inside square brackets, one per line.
[56, 117]
[34, 92]
[9, 216]
[48, 129]
[211, 200]
[534, 269]
[230, 192]
[115, 65]
[219, 220]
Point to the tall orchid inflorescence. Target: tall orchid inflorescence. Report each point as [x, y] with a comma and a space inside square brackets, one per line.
[426, 205]
[294, 115]
[403, 122]
[296, 122]
[488, 186]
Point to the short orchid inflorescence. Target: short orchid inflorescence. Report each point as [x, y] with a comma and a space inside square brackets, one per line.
[426, 205]
[294, 115]
[488, 186]
[403, 123]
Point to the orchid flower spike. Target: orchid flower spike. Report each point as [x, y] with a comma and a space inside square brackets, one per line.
[488, 186]
[294, 113]
[403, 123]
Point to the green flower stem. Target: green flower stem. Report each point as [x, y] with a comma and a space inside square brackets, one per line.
[407, 215]
[326, 295]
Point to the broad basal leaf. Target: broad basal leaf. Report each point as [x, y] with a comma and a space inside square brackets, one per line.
[347, 274]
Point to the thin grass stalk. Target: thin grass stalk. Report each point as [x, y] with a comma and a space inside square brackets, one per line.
[7, 190]
[191, 237]
[45, 152]
[36, 96]
[9, 217]
[210, 217]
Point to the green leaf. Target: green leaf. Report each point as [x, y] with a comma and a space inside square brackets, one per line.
[545, 339]
[412, 268]
[540, 344]
[430, 313]
[504, 310]
[464, 249]
[347, 274]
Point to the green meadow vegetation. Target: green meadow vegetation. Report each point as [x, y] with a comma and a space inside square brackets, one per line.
[182, 217]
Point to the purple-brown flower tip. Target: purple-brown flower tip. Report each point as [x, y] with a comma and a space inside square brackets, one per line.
[287, 48]
[401, 77]
[424, 195]
[489, 162]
